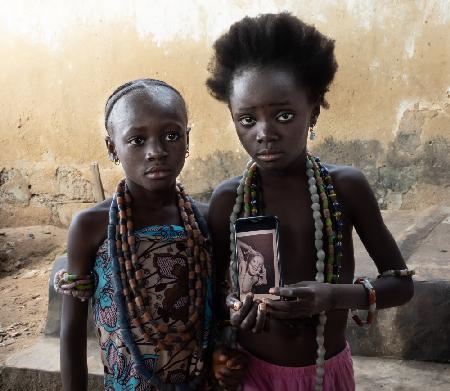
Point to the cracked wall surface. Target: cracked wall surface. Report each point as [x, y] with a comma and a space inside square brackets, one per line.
[389, 105]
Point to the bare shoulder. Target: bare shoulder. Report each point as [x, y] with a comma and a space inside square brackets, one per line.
[349, 182]
[87, 232]
[354, 193]
[346, 175]
[91, 219]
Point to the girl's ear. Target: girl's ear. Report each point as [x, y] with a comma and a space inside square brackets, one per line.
[314, 115]
[110, 144]
[112, 154]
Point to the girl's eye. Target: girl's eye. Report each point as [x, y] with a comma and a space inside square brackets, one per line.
[285, 117]
[136, 140]
[247, 121]
[172, 136]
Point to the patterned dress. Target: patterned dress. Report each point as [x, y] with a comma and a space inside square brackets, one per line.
[162, 253]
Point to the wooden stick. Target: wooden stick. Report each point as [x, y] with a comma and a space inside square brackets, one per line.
[97, 186]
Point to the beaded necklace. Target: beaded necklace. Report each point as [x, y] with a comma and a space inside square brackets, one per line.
[326, 214]
[131, 295]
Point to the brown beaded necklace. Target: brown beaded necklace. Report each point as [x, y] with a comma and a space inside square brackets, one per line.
[164, 336]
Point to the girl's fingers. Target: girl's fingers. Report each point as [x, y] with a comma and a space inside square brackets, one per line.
[237, 360]
[233, 302]
[290, 291]
[250, 319]
[239, 316]
[260, 318]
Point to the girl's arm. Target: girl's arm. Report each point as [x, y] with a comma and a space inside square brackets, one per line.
[362, 209]
[81, 249]
[365, 215]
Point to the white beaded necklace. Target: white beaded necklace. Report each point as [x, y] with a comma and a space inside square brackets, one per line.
[320, 265]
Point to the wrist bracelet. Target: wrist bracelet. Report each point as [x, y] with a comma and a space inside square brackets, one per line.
[372, 303]
[397, 273]
[79, 286]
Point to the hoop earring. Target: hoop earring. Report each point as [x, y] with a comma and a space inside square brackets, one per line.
[312, 133]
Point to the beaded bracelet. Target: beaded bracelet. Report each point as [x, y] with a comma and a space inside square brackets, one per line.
[78, 286]
[397, 273]
[372, 303]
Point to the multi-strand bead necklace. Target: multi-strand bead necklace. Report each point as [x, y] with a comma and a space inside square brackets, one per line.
[129, 279]
[327, 218]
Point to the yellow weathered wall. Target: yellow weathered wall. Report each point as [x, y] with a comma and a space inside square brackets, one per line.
[389, 105]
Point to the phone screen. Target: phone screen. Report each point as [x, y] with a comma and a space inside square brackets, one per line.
[257, 256]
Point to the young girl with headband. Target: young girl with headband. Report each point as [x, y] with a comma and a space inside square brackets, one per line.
[273, 72]
[143, 255]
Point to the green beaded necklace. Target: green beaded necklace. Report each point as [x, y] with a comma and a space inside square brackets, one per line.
[327, 218]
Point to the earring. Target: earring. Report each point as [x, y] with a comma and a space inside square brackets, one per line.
[187, 153]
[312, 133]
[113, 157]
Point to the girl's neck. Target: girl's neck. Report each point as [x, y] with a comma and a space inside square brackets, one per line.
[295, 172]
[151, 200]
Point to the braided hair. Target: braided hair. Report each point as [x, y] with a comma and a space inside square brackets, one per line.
[135, 85]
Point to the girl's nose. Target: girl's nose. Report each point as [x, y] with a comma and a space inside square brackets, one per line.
[266, 133]
[155, 152]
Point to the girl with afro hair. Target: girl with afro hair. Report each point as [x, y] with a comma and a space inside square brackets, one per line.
[273, 72]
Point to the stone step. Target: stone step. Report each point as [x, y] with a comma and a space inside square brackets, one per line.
[28, 371]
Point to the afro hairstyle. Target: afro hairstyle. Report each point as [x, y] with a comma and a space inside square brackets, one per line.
[273, 40]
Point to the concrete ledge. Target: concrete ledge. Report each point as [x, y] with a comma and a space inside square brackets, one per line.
[37, 369]
[26, 379]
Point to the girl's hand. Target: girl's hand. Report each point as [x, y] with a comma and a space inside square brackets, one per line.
[247, 315]
[229, 367]
[310, 298]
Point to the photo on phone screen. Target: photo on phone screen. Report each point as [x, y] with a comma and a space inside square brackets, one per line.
[257, 258]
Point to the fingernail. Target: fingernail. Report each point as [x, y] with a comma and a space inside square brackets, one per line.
[237, 305]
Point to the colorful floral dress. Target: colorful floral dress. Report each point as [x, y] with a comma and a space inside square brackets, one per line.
[162, 253]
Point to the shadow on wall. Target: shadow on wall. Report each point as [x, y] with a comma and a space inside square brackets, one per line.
[412, 172]
[410, 160]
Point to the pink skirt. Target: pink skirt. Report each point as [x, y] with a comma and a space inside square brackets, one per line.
[263, 376]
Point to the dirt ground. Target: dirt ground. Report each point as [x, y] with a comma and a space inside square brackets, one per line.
[28, 253]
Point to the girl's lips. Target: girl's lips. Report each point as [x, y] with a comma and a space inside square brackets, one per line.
[268, 156]
[158, 172]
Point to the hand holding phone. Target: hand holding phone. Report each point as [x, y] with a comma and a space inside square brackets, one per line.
[257, 256]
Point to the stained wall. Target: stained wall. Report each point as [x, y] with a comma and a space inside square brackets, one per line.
[389, 105]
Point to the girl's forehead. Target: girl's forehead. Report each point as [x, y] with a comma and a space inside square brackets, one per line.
[259, 86]
[142, 104]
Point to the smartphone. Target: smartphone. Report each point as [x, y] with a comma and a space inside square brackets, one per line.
[257, 255]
